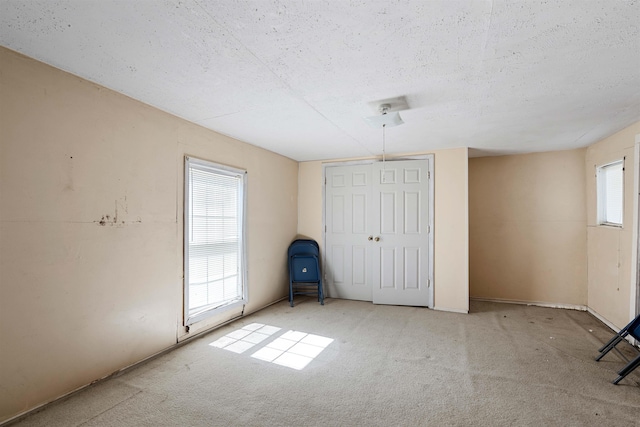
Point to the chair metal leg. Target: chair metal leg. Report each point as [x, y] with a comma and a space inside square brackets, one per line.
[616, 338]
[627, 369]
[290, 293]
[610, 345]
[613, 340]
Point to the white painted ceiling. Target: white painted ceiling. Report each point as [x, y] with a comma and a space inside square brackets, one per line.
[296, 77]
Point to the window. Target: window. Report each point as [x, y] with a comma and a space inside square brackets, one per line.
[610, 192]
[214, 246]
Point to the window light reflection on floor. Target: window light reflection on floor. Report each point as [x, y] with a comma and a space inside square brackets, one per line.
[243, 339]
[292, 349]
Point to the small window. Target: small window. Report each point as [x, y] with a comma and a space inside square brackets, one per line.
[214, 246]
[610, 193]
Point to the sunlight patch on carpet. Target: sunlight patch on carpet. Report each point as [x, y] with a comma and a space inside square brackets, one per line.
[245, 338]
[293, 349]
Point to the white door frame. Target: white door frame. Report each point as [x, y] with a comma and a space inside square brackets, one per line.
[430, 160]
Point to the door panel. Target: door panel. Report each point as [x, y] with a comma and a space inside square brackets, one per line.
[359, 262]
[338, 206]
[387, 267]
[337, 263]
[411, 268]
[388, 213]
[411, 212]
[358, 218]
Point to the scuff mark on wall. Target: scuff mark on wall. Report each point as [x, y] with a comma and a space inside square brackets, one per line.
[120, 215]
[69, 186]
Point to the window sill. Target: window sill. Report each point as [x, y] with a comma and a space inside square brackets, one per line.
[205, 314]
[611, 225]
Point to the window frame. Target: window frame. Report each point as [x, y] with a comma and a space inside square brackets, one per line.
[601, 195]
[188, 318]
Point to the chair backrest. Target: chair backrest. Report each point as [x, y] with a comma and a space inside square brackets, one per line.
[304, 246]
[634, 328]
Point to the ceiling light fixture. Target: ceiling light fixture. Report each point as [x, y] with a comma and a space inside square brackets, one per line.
[385, 118]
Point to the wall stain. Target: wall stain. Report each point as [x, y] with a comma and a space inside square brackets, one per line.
[121, 208]
[69, 185]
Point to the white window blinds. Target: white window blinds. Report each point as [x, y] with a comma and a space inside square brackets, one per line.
[610, 193]
[214, 247]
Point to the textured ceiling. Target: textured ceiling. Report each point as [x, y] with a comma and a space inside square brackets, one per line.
[296, 77]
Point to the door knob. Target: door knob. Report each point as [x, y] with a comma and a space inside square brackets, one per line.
[370, 238]
[377, 239]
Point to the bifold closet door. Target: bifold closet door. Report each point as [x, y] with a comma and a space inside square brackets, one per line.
[377, 232]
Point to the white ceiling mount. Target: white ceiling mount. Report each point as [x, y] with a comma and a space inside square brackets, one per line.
[384, 108]
[388, 110]
[398, 103]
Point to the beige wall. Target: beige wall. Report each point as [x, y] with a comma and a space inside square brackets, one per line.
[310, 188]
[527, 228]
[80, 300]
[451, 230]
[451, 234]
[610, 249]
[527, 217]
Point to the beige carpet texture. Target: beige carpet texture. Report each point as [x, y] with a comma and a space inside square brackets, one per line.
[351, 363]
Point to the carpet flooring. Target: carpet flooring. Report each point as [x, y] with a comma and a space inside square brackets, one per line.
[351, 363]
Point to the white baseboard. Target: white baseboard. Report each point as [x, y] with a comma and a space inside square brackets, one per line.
[536, 303]
[613, 327]
[602, 319]
[452, 310]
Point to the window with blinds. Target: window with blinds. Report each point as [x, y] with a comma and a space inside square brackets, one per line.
[214, 266]
[610, 193]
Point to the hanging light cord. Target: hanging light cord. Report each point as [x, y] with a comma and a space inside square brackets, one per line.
[383, 153]
[383, 146]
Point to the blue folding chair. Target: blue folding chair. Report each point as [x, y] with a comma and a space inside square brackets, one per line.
[305, 277]
[633, 329]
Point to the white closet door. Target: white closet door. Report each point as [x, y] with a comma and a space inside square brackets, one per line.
[377, 233]
[347, 219]
[400, 214]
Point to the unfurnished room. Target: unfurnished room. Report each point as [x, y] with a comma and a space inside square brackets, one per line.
[319, 213]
